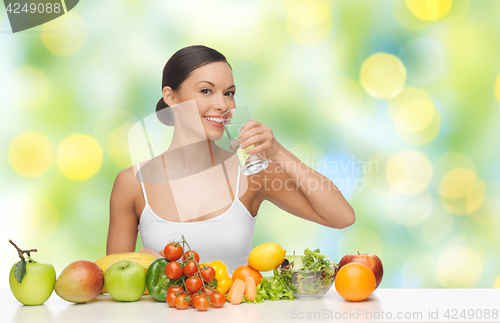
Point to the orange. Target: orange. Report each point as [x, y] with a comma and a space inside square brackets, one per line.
[355, 282]
[244, 271]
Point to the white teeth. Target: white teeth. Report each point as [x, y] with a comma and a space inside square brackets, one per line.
[218, 120]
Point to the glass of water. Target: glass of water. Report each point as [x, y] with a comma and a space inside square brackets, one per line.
[233, 121]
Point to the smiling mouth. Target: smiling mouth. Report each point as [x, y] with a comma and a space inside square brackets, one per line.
[217, 120]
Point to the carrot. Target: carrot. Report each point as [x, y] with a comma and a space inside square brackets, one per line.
[230, 292]
[250, 290]
[238, 290]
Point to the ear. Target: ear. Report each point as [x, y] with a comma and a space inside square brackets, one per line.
[169, 96]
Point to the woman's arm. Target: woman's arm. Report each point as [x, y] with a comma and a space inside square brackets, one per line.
[297, 189]
[123, 221]
[304, 192]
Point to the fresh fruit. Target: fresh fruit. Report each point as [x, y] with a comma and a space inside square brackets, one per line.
[173, 251]
[157, 281]
[207, 273]
[171, 299]
[193, 284]
[202, 304]
[244, 271]
[173, 270]
[355, 282]
[181, 302]
[266, 256]
[80, 282]
[175, 289]
[125, 281]
[190, 269]
[31, 282]
[143, 259]
[218, 300]
[191, 255]
[369, 260]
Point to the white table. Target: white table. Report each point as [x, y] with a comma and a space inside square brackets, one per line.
[383, 306]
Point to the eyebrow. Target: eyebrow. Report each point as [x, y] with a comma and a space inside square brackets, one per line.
[232, 86]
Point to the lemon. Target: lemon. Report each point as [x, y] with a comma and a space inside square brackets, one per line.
[266, 256]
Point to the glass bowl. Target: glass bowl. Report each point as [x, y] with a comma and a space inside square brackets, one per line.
[308, 284]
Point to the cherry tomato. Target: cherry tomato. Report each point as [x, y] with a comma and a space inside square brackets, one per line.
[173, 270]
[181, 302]
[173, 251]
[175, 289]
[202, 304]
[190, 269]
[171, 299]
[218, 300]
[193, 284]
[208, 274]
[191, 253]
[208, 291]
[195, 296]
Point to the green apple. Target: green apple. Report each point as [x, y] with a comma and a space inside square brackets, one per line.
[125, 281]
[31, 282]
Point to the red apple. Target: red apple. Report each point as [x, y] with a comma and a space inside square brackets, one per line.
[369, 260]
[80, 282]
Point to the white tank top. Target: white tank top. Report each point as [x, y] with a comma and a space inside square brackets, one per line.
[227, 237]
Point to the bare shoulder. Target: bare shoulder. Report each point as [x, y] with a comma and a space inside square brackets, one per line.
[126, 185]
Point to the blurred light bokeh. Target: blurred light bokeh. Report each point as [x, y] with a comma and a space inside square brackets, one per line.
[397, 102]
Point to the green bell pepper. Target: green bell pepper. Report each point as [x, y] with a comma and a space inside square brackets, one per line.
[158, 282]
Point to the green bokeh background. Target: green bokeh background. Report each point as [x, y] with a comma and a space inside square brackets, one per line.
[97, 70]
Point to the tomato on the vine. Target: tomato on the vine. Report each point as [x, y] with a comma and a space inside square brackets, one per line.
[218, 300]
[181, 302]
[190, 269]
[193, 284]
[175, 289]
[173, 270]
[191, 253]
[171, 299]
[173, 251]
[196, 296]
[208, 274]
[202, 304]
[209, 291]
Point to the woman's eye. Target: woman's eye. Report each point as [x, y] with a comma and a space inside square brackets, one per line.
[230, 93]
[205, 91]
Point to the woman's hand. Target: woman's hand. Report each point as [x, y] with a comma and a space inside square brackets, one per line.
[152, 252]
[261, 136]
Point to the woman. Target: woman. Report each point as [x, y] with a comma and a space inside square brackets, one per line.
[202, 77]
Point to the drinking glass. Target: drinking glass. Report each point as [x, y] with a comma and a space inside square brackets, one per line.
[233, 121]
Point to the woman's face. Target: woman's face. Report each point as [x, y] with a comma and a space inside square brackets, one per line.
[212, 86]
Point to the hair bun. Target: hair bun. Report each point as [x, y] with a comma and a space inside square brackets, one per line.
[164, 113]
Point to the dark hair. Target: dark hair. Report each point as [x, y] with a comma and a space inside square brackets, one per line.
[178, 68]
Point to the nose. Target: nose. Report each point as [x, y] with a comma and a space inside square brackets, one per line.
[220, 104]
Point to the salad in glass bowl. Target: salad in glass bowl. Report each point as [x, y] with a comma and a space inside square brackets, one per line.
[309, 276]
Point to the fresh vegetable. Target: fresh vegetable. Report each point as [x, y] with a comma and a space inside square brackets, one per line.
[311, 274]
[190, 269]
[250, 289]
[271, 288]
[192, 255]
[224, 282]
[193, 284]
[175, 289]
[182, 302]
[207, 273]
[237, 292]
[201, 304]
[173, 251]
[157, 280]
[218, 300]
[171, 299]
[311, 260]
[242, 272]
[173, 270]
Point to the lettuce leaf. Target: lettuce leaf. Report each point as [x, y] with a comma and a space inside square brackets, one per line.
[271, 288]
